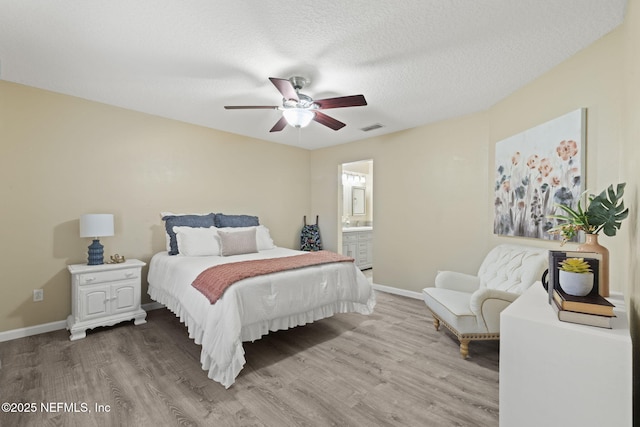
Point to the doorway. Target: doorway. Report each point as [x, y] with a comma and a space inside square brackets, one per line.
[355, 210]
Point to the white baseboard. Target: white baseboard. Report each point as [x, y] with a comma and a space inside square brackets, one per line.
[152, 306]
[54, 326]
[396, 291]
[32, 330]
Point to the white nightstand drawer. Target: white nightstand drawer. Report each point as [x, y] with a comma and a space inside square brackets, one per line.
[108, 276]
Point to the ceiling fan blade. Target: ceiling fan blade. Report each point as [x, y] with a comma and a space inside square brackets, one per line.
[281, 124]
[251, 107]
[286, 88]
[330, 122]
[342, 101]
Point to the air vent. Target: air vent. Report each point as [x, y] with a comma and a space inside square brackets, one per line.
[371, 127]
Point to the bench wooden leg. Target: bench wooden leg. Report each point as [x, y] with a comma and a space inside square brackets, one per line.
[464, 348]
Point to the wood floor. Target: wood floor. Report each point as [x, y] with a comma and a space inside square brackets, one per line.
[387, 369]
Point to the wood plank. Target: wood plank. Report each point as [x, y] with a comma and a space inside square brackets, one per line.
[387, 369]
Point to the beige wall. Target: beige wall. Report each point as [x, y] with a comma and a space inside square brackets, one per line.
[61, 157]
[422, 178]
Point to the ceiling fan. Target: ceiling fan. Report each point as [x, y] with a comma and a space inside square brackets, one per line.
[299, 110]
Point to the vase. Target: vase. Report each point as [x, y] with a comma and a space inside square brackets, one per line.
[578, 284]
[591, 245]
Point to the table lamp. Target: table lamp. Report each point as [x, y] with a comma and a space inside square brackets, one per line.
[94, 226]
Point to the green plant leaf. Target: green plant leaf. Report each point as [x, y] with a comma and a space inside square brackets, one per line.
[606, 210]
[572, 216]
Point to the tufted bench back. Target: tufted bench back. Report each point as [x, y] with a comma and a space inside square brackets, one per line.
[512, 268]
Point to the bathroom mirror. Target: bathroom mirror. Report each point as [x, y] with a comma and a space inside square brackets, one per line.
[357, 201]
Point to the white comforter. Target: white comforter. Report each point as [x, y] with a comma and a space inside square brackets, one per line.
[252, 307]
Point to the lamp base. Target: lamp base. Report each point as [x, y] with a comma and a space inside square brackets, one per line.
[96, 253]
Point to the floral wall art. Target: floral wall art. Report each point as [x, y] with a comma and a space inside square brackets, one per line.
[535, 170]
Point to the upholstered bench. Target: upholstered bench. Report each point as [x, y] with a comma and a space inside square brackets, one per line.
[470, 306]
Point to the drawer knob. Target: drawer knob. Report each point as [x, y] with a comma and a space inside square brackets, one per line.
[89, 279]
[129, 274]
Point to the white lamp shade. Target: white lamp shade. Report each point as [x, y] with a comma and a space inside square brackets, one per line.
[298, 117]
[96, 225]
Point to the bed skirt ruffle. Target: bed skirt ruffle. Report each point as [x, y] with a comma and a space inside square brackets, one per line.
[226, 375]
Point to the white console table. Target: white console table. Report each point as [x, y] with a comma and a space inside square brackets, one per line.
[555, 373]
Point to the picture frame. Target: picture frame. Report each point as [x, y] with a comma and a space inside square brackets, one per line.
[535, 171]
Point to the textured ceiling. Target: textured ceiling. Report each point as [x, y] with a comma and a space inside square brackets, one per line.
[416, 61]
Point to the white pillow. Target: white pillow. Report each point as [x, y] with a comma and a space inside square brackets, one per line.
[197, 241]
[238, 242]
[263, 236]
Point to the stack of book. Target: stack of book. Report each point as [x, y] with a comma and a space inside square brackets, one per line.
[592, 309]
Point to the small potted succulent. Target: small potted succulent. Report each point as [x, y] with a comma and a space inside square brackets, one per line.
[575, 276]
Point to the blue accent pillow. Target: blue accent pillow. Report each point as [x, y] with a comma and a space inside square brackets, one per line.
[197, 221]
[223, 220]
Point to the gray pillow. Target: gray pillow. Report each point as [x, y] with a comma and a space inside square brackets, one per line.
[223, 220]
[197, 221]
[238, 242]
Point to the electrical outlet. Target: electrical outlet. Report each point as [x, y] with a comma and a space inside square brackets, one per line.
[38, 294]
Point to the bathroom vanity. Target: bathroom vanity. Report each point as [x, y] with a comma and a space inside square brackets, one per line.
[357, 242]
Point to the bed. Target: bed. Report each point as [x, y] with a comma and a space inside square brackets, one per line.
[254, 306]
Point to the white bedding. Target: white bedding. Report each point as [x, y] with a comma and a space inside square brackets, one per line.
[252, 307]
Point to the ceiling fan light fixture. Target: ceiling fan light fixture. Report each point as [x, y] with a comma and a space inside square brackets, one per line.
[298, 117]
[298, 109]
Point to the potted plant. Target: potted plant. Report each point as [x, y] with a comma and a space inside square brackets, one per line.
[575, 276]
[605, 213]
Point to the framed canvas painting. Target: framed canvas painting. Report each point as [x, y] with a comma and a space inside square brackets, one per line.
[536, 170]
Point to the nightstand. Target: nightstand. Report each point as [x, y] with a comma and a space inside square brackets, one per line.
[103, 295]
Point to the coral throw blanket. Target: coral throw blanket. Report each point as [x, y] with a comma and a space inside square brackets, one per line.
[213, 281]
